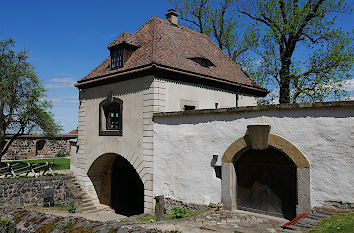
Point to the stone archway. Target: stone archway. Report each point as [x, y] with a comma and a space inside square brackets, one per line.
[259, 139]
[117, 184]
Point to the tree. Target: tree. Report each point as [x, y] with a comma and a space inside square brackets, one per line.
[302, 52]
[220, 21]
[23, 108]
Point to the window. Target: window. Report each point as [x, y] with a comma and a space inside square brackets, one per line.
[117, 58]
[110, 117]
[188, 107]
[204, 62]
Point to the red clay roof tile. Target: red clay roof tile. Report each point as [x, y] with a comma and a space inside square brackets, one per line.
[171, 46]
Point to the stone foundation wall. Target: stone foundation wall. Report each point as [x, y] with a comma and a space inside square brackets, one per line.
[30, 191]
[171, 203]
[27, 147]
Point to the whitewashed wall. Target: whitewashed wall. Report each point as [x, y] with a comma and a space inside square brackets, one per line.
[184, 146]
[206, 97]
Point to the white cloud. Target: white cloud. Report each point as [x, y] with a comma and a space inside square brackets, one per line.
[349, 85]
[60, 83]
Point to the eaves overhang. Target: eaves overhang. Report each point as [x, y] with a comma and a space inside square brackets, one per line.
[166, 72]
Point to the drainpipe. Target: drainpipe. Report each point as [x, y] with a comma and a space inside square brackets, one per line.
[237, 90]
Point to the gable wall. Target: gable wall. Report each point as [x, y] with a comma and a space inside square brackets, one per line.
[206, 97]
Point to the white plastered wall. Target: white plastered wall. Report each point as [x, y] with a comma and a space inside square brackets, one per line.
[184, 146]
[206, 97]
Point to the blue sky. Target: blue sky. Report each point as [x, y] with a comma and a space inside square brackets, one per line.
[68, 39]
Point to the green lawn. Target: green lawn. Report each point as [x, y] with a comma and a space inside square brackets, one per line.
[338, 223]
[59, 163]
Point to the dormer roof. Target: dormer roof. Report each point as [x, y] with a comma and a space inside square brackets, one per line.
[125, 38]
[165, 50]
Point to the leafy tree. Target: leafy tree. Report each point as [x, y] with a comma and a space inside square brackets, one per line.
[220, 21]
[23, 108]
[302, 52]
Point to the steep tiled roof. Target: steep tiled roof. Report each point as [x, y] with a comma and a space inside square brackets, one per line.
[166, 47]
[74, 131]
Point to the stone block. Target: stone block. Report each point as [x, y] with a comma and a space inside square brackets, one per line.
[259, 136]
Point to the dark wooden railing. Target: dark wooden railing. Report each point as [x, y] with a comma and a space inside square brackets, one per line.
[24, 169]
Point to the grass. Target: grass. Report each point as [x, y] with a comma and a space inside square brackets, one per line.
[59, 163]
[343, 222]
[168, 217]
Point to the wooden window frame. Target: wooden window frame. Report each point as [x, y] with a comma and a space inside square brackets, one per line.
[117, 58]
[104, 108]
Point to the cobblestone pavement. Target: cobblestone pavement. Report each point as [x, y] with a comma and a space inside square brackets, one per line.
[222, 221]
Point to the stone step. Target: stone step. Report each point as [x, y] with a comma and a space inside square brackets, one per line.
[88, 204]
[302, 225]
[88, 209]
[308, 222]
[320, 211]
[316, 217]
[83, 201]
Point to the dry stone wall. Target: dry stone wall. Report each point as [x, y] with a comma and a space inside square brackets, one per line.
[37, 147]
[14, 192]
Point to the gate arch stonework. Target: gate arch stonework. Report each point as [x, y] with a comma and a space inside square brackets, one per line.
[259, 137]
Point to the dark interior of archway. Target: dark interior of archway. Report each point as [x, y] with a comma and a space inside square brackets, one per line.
[266, 183]
[127, 189]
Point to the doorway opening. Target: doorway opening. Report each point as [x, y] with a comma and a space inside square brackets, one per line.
[127, 189]
[266, 183]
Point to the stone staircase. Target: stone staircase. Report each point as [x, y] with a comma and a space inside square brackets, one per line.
[85, 205]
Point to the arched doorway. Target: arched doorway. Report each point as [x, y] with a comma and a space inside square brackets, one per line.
[117, 184]
[127, 189]
[266, 183]
[269, 166]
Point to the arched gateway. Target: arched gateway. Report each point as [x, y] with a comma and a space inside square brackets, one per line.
[117, 184]
[265, 173]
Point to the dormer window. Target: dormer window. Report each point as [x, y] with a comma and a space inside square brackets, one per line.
[120, 54]
[117, 58]
[202, 61]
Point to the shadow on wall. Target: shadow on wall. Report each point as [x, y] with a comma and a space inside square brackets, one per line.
[231, 114]
[125, 87]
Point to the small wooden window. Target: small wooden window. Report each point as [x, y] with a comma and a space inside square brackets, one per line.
[204, 63]
[117, 59]
[110, 117]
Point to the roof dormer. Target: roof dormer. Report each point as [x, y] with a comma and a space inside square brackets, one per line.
[122, 48]
[202, 61]
[120, 54]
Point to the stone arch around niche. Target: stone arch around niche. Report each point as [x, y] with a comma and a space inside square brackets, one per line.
[258, 137]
